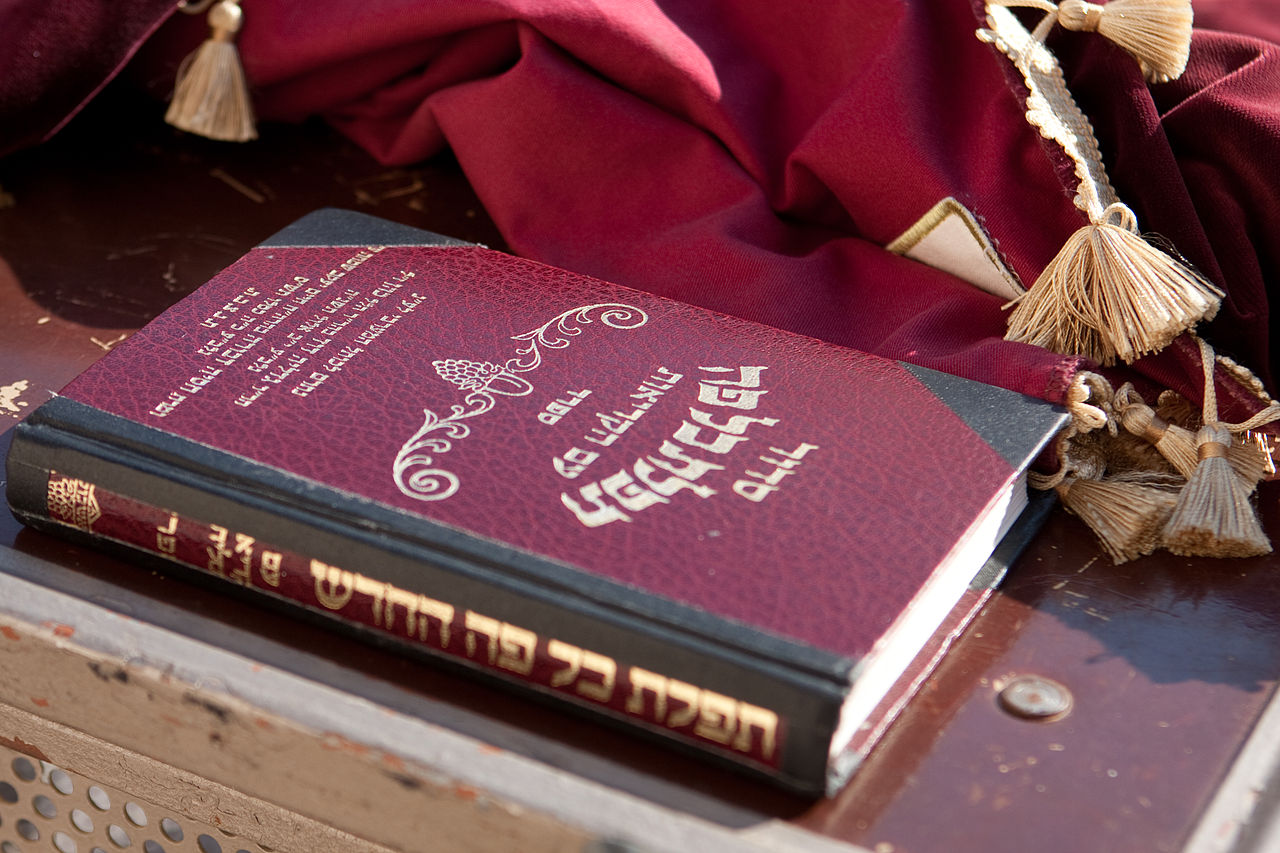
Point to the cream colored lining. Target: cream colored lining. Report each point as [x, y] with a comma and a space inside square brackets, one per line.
[950, 238]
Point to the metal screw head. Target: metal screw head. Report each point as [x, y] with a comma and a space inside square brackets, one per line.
[1035, 697]
[610, 845]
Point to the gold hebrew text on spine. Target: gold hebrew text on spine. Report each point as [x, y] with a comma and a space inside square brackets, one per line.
[548, 663]
[72, 502]
[597, 678]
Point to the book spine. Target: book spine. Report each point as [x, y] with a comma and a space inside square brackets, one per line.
[747, 733]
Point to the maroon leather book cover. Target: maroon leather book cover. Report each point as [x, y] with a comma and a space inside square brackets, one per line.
[641, 506]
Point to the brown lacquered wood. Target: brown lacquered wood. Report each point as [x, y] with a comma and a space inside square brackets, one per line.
[1169, 660]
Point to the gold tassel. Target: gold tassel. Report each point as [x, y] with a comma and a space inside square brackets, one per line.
[1111, 295]
[1175, 444]
[1094, 431]
[1157, 33]
[1248, 457]
[1251, 463]
[1126, 513]
[1128, 453]
[1177, 409]
[1213, 517]
[211, 97]
[1251, 456]
[1179, 445]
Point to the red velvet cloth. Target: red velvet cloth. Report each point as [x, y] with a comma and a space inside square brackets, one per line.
[1198, 158]
[734, 155]
[755, 157]
[54, 57]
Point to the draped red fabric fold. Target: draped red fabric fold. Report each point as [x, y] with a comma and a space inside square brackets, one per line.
[755, 159]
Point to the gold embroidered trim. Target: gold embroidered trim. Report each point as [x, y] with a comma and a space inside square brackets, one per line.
[1052, 110]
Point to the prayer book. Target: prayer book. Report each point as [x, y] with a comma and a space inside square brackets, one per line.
[724, 536]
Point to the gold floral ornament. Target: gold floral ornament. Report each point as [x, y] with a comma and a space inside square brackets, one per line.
[72, 502]
[211, 97]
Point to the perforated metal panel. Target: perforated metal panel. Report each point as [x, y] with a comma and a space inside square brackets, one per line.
[44, 807]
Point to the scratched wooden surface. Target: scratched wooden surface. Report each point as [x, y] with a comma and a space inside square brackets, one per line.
[1170, 660]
